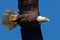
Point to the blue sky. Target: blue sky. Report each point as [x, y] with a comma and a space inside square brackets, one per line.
[48, 8]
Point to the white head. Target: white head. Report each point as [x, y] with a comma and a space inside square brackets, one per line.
[42, 19]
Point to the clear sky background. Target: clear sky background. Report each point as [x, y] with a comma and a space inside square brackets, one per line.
[48, 8]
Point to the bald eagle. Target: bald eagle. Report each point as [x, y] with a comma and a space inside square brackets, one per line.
[28, 18]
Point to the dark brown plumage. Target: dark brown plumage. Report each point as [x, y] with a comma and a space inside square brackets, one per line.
[28, 19]
[28, 16]
[28, 12]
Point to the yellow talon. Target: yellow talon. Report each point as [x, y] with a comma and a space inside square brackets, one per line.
[13, 22]
[12, 19]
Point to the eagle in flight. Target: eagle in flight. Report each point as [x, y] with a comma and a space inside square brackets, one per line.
[28, 18]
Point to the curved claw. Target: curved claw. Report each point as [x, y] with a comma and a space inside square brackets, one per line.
[12, 19]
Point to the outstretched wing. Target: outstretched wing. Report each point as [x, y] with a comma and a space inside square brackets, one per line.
[31, 31]
[30, 28]
[21, 5]
[25, 5]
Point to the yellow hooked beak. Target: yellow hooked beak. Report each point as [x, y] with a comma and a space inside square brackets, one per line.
[47, 19]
